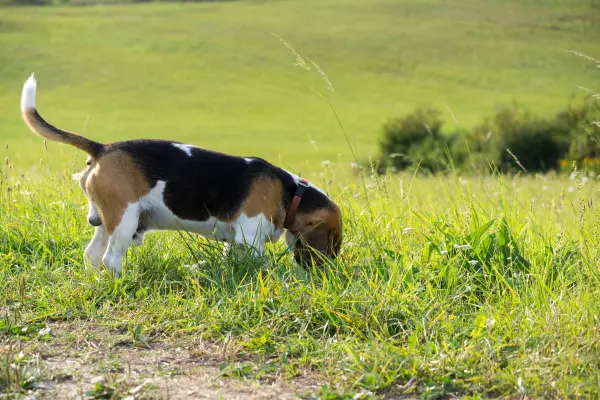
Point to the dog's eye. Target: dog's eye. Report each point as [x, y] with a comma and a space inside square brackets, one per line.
[88, 162]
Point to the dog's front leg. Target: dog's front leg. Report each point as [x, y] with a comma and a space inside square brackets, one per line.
[255, 244]
[253, 236]
[138, 238]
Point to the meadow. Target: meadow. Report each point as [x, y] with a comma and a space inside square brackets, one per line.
[469, 285]
[213, 74]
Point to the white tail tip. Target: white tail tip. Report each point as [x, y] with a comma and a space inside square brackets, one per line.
[28, 94]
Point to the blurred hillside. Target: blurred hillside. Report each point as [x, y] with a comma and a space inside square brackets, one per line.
[213, 74]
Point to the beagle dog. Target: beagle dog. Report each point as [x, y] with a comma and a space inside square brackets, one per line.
[137, 186]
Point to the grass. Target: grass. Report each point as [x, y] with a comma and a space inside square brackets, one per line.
[478, 286]
[214, 75]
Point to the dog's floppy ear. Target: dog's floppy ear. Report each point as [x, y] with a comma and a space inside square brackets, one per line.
[318, 235]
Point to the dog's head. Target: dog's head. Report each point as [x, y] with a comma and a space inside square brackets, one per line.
[316, 235]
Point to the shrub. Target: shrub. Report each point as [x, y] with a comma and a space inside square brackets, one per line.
[584, 133]
[511, 140]
[519, 140]
[415, 140]
[515, 139]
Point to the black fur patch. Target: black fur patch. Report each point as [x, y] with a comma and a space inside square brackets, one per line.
[208, 183]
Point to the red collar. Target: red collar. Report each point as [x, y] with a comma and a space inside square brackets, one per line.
[300, 189]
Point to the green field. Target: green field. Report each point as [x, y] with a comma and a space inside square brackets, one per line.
[470, 286]
[214, 75]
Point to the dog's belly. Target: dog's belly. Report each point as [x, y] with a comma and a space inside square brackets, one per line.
[155, 215]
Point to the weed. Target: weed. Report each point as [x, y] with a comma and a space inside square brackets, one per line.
[19, 373]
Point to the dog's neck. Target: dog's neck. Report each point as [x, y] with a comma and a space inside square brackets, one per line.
[301, 186]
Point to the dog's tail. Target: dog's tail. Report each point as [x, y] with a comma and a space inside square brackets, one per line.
[38, 125]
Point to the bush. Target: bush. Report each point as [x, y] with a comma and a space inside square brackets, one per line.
[519, 140]
[511, 140]
[584, 122]
[416, 140]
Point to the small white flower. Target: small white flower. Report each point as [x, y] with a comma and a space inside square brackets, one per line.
[584, 180]
[195, 266]
[444, 252]
[572, 175]
[407, 230]
[520, 385]
[45, 331]
[545, 187]
[463, 247]
[326, 163]
[473, 262]
[570, 189]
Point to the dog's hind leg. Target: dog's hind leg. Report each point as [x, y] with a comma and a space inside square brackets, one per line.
[120, 239]
[96, 248]
[138, 238]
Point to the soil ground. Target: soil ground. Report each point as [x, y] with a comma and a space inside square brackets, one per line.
[79, 355]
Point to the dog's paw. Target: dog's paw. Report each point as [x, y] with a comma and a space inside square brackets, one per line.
[137, 239]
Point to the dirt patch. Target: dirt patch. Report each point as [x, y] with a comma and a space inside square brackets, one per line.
[81, 357]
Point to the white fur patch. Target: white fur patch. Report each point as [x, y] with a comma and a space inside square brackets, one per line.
[186, 148]
[28, 94]
[255, 232]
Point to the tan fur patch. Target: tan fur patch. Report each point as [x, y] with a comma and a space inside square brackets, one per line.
[265, 197]
[323, 218]
[113, 182]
